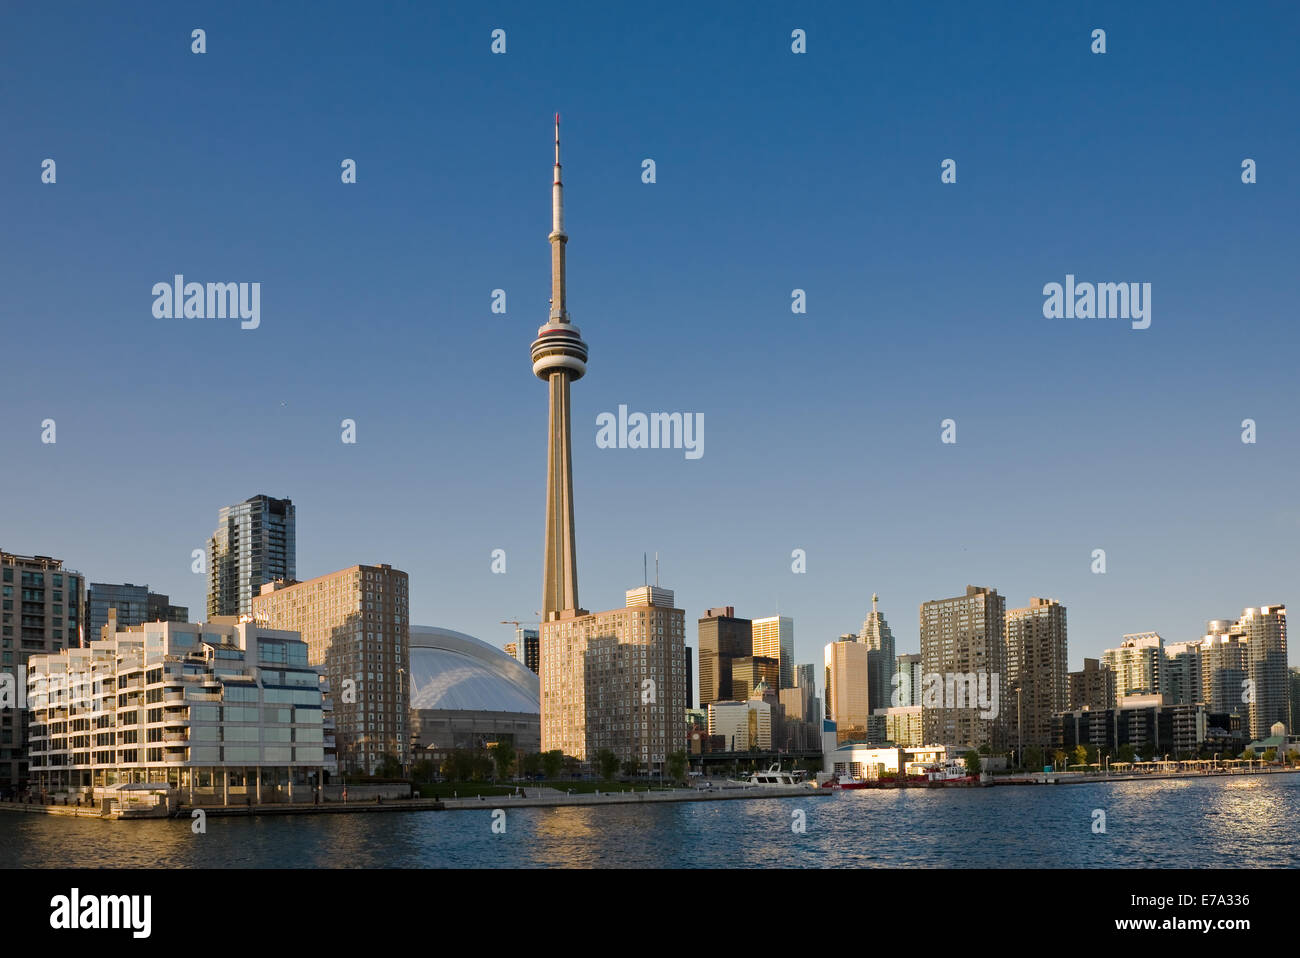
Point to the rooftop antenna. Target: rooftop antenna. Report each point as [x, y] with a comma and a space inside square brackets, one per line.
[656, 570]
[645, 570]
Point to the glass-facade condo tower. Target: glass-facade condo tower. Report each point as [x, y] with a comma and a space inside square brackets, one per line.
[253, 544]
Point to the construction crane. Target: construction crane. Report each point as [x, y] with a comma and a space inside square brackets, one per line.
[520, 655]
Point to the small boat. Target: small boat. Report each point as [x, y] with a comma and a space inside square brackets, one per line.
[847, 782]
[950, 773]
[775, 777]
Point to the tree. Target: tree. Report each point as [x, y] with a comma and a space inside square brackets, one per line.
[531, 764]
[389, 767]
[1059, 757]
[482, 765]
[552, 762]
[1248, 754]
[1126, 754]
[606, 764]
[986, 749]
[422, 771]
[631, 767]
[1270, 755]
[458, 766]
[973, 763]
[1081, 755]
[1090, 755]
[503, 754]
[677, 766]
[571, 766]
[1033, 757]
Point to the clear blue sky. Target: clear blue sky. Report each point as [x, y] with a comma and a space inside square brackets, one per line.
[775, 171]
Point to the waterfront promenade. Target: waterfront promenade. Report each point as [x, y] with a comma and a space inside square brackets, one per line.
[526, 798]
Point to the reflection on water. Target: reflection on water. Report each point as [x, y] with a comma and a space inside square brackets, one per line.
[1236, 822]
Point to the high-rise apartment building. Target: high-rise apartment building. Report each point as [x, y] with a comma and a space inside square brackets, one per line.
[1180, 672]
[723, 638]
[907, 689]
[42, 611]
[963, 642]
[1136, 665]
[1264, 629]
[526, 648]
[1093, 687]
[254, 543]
[616, 680]
[216, 709]
[848, 702]
[774, 638]
[135, 605]
[883, 658]
[1037, 670]
[1222, 657]
[356, 623]
[1293, 698]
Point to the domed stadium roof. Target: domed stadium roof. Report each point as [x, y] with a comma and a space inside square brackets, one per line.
[453, 671]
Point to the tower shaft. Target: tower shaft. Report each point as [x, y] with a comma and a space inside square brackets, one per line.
[560, 588]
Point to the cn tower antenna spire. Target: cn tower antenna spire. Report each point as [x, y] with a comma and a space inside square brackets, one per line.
[559, 308]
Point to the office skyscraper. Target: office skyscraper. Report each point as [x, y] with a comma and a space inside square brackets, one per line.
[43, 613]
[963, 640]
[254, 543]
[723, 638]
[774, 639]
[847, 699]
[1037, 671]
[748, 670]
[882, 659]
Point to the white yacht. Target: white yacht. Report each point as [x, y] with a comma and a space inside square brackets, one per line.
[775, 777]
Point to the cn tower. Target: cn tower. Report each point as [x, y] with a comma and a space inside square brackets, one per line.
[559, 357]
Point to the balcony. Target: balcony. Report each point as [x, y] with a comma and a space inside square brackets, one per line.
[174, 697]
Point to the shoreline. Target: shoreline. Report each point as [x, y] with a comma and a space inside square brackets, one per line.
[562, 800]
[438, 804]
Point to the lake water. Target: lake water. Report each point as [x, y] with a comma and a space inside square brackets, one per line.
[1230, 822]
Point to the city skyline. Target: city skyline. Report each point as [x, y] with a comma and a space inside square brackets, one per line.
[1106, 430]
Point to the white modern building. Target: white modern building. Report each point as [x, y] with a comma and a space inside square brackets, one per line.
[872, 761]
[744, 725]
[224, 712]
